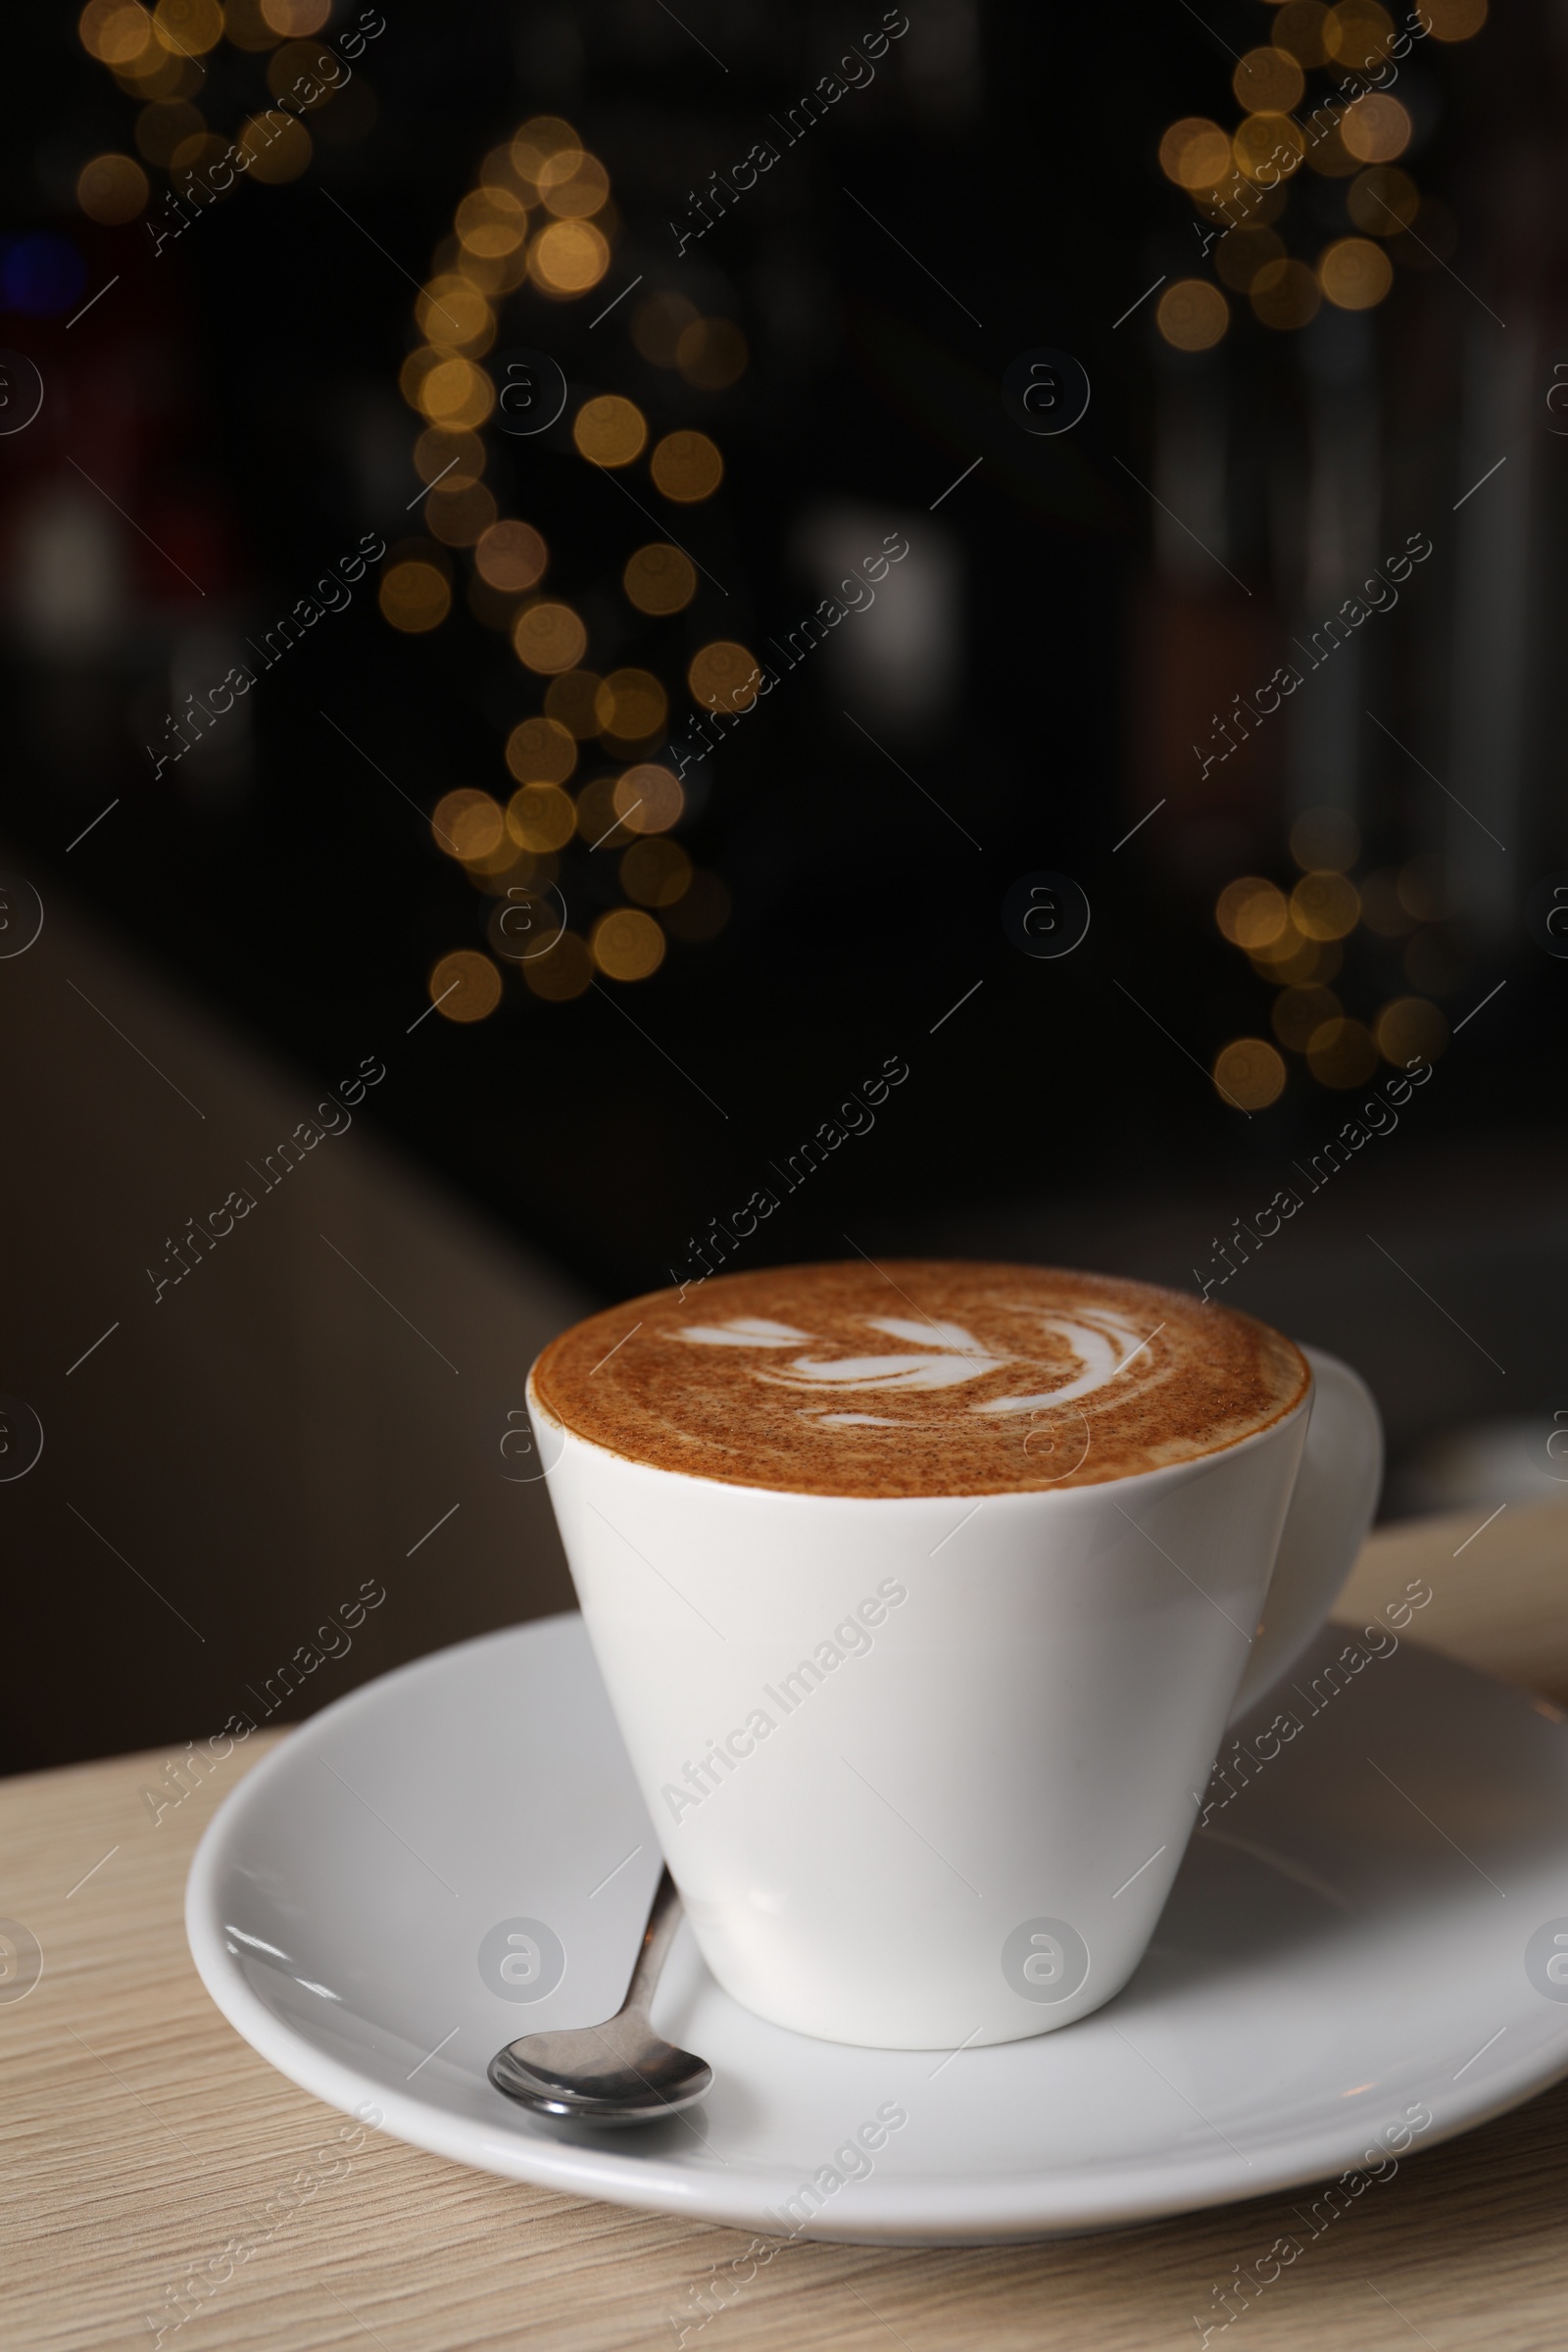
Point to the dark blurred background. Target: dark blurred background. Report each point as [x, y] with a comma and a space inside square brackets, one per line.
[424, 430]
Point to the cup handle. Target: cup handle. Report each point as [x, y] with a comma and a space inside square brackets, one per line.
[1330, 1512]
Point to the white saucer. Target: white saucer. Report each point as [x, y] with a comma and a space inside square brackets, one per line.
[1341, 1948]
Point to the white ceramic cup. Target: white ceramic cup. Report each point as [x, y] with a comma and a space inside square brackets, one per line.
[924, 1767]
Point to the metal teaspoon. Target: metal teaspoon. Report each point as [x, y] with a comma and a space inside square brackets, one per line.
[620, 2071]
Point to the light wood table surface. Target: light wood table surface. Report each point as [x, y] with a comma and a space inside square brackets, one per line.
[139, 2135]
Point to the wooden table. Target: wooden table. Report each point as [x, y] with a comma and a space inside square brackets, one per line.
[138, 2134]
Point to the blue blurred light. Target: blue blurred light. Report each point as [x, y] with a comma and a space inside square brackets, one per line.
[40, 276]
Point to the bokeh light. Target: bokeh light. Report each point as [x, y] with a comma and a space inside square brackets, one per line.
[1293, 961]
[1358, 32]
[1193, 314]
[536, 145]
[598, 817]
[540, 751]
[548, 637]
[712, 354]
[565, 971]
[1355, 273]
[161, 127]
[454, 316]
[610, 430]
[491, 222]
[1195, 153]
[655, 873]
[1375, 129]
[1410, 1029]
[279, 151]
[1424, 890]
[459, 517]
[1453, 20]
[455, 459]
[1342, 1054]
[1325, 840]
[295, 19]
[686, 466]
[1383, 200]
[1240, 256]
[414, 596]
[702, 911]
[190, 28]
[1268, 147]
[465, 986]
[1300, 1012]
[541, 817]
[1249, 1073]
[568, 258]
[1251, 912]
[576, 193]
[1325, 905]
[659, 579]
[723, 676]
[648, 799]
[1299, 28]
[112, 189]
[246, 28]
[450, 390]
[631, 705]
[658, 325]
[1284, 295]
[1268, 80]
[512, 557]
[1382, 909]
[466, 823]
[626, 943]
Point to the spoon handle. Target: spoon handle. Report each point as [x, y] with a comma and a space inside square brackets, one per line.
[662, 1921]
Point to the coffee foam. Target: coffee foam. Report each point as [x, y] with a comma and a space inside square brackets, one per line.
[919, 1377]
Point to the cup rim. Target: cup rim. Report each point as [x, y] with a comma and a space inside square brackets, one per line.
[796, 1495]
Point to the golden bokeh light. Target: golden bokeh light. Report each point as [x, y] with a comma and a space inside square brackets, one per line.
[1195, 153]
[468, 825]
[511, 556]
[659, 579]
[1383, 200]
[193, 159]
[1268, 80]
[1330, 158]
[564, 972]
[1325, 840]
[415, 597]
[1251, 913]
[626, 943]
[1355, 273]
[1292, 961]
[1300, 1012]
[295, 19]
[648, 799]
[1410, 1029]
[723, 676]
[1193, 314]
[610, 430]
[246, 28]
[598, 819]
[540, 817]
[1284, 295]
[712, 354]
[465, 986]
[459, 517]
[655, 873]
[704, 909]
[537, 145]
[278, 151]
[1382, 909]
[540, 751]
[112, 189]
[190, 28]
[548, 637]
[1453, 20]
[161, 127]
[446, 389]
[1299, 28]
[658, 325]
[455, 459]
[454, 316]
[1342, 1054]
[570, 700]
[1325, 905]
[686, 468]
[568, 258]
[114, 32]
[491, 222]
[1375, 129]
[1357, 33]
[1269, 148]
[631, 705]
[1240, 257]
[1249, 1073]
[576, 194]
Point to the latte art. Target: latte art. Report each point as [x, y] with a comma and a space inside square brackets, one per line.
[918, 1377]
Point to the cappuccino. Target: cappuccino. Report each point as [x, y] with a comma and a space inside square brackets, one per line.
[918, 1377]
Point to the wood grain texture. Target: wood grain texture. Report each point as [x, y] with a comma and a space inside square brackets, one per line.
[138, 2135]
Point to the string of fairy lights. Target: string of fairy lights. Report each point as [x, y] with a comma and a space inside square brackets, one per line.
[1241, 182]
[538, 227]
[585, 780]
